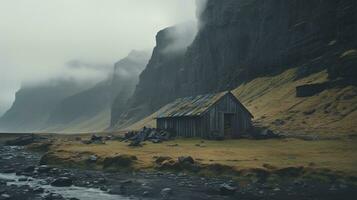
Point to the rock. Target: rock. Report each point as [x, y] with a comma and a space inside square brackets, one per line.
[166, 192]
[135, 143]
[93, 158]
[53, 196]
[290, 171]
[310, 89]
[43, 169]
[117, 190]
[29, 169]
[5, 196]
[38, 190]
[62, 182]
[156, 141]
[23, 179]
[226, 189]
[185, 160]
[146, 193]
[119, 161]
[161, 159]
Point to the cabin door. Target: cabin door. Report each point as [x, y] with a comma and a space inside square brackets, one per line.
[228, 125]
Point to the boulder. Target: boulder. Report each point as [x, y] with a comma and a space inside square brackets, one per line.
[226, 189]
[92, 158]
[186, 160]
[161, 159]
[43, 169]
[135, 143]
[62, 182]
[119, 161]
[29, 169]
[5, 196]
[166, 192]
[38, 190]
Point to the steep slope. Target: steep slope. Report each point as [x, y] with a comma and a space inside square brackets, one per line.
[242, 40]
[273, 101]
[33, 105]
[125, 78]
[159, 74]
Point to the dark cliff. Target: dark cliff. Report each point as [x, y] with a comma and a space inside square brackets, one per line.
[240, 40]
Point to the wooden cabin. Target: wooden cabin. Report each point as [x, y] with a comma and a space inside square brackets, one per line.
[207, 116]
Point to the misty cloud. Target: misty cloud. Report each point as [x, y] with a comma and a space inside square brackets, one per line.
[181, 36]
[39, 37]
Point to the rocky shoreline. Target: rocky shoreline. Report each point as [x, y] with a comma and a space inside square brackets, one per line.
[23, 177]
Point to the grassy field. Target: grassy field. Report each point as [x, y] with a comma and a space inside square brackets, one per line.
[335, 155]
[331, 113]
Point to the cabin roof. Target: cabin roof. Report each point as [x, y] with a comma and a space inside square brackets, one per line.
[193, 106]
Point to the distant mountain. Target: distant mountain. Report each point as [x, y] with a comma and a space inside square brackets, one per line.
[125, 79]
[70, 107]
[33, 105]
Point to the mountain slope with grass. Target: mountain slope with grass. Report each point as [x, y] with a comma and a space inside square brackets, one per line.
[263, 52]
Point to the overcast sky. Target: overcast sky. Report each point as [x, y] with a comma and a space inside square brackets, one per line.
[37, 37]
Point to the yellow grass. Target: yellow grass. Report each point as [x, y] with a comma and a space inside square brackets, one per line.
[273, 98]
[336, 155]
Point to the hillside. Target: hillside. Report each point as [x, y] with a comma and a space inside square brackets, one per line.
[273, 102]
[262, 56]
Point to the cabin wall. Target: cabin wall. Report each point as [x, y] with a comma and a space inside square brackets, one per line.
[213, 120]
[183, 126]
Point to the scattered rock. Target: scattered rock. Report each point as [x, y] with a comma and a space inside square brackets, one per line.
[23, 179]
[161, 159]
[135, 143]
[290, 171]
[62, 182]
[43, 169]
[29, 169]
[5, 196]
[166, 192]
[93, 158]
[38, 190]
[119, 161]
[185, 160]
[146, 193]
[226, 189]
[53, 196]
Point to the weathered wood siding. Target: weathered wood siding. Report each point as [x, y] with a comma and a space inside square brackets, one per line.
[213, 120]
[182, 126]
[211, 123]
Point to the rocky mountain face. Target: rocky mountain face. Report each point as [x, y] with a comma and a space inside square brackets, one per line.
[34, 104]
[240, 40]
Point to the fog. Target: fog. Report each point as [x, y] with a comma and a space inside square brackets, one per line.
[43, 39]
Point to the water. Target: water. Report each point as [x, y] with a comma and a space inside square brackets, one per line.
[81, 193]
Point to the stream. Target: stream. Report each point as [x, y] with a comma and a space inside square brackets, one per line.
[66, 192]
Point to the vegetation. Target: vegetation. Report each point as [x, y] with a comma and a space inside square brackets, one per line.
[273, 102]
[332, 155]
